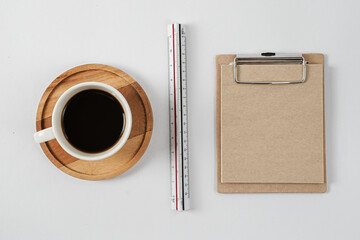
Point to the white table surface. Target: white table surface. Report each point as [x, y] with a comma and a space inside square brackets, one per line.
[41, 39]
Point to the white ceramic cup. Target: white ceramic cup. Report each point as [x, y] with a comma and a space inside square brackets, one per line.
[56, 130]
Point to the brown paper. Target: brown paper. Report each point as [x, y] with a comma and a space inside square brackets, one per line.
[270, 137]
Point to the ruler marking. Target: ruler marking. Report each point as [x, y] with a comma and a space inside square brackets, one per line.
[185, 113]
[176, 183]
[181, 114]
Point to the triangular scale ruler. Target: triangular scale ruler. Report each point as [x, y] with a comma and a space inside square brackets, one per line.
[179, 156]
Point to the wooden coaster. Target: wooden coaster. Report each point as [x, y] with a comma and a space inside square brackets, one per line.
[139, 137]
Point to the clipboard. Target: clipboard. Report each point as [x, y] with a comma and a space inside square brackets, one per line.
[270, 123]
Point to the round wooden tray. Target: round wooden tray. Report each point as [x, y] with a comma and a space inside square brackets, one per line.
[139, 137]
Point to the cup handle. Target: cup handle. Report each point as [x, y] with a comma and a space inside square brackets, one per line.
[44, 135]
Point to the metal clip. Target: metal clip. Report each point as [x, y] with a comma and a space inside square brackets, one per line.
[269, 59]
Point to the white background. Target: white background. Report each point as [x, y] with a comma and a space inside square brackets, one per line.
[41, 39]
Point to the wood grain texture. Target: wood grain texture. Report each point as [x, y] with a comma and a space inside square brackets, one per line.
[139, 137]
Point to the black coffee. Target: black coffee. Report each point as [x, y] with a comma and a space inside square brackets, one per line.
[93, 121]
